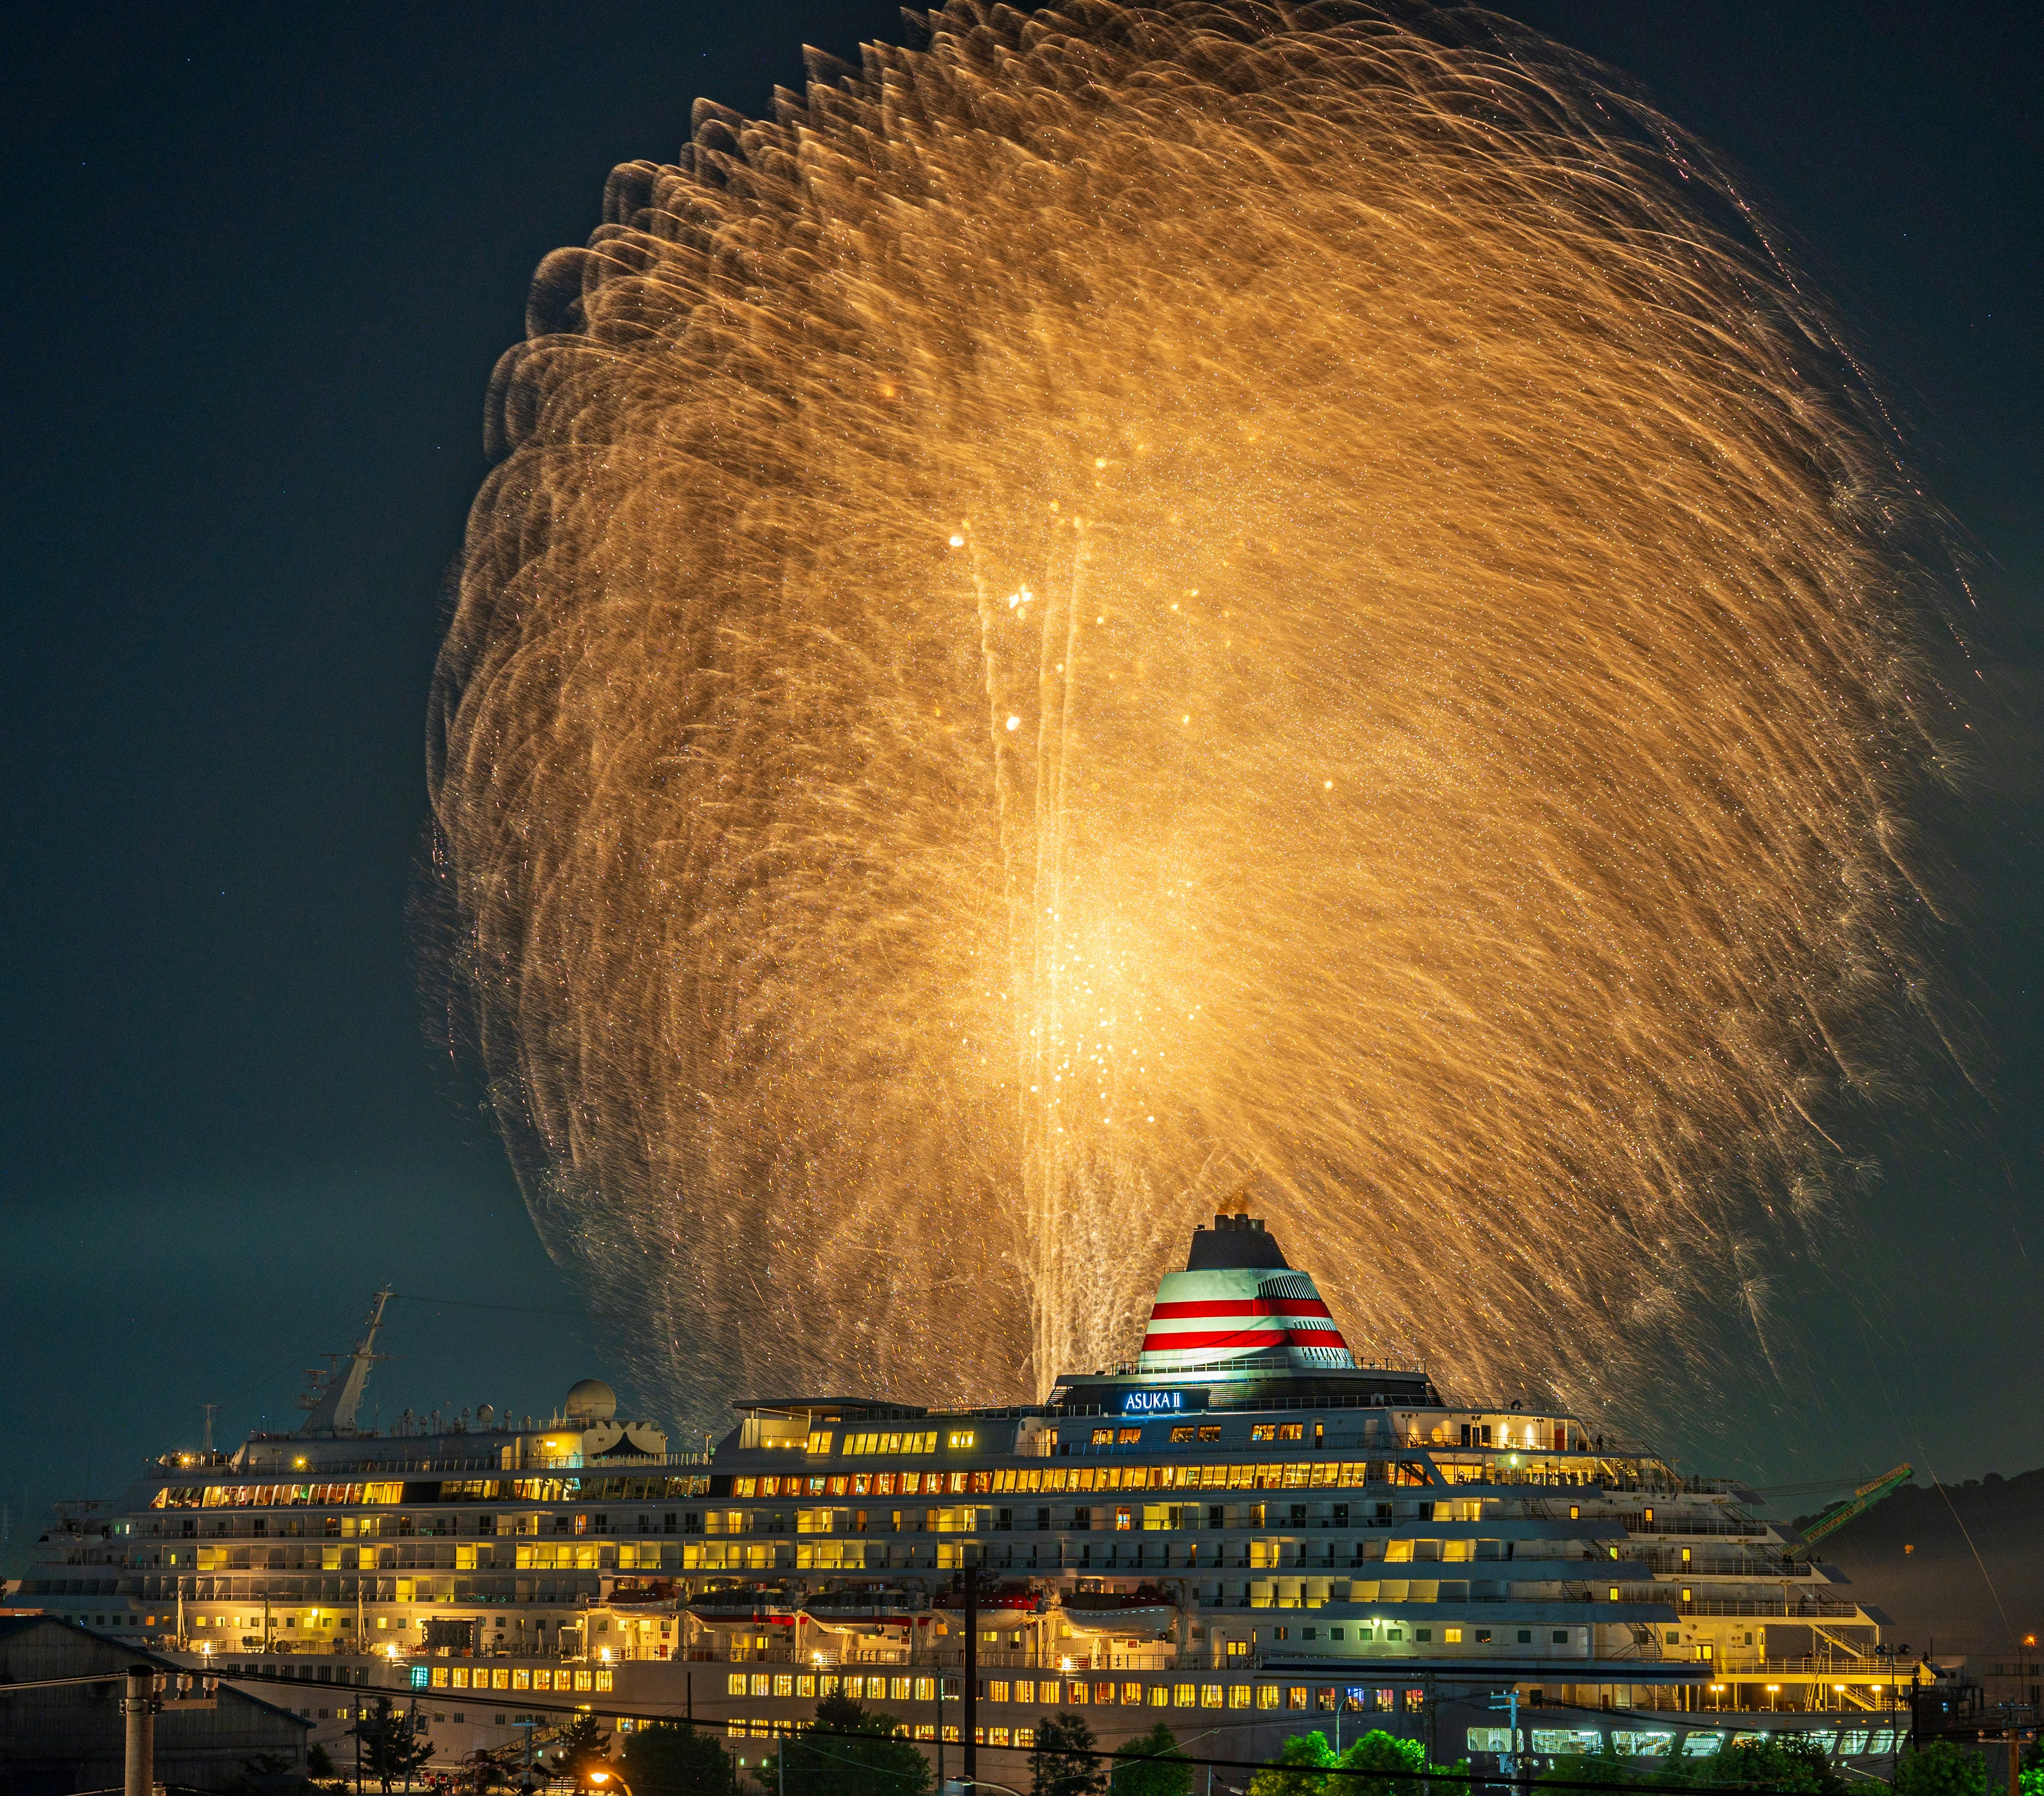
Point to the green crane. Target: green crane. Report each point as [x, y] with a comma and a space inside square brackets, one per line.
[1858, 1503]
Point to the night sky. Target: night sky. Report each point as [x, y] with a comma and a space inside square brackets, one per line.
[262, 259]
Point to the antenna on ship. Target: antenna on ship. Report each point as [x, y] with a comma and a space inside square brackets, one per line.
[334, 1396]
[211, 1410]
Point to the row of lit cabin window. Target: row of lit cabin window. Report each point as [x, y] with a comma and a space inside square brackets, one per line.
[1296, 1474]
[1078, 1693]
[429, 1490]
[517, 1677]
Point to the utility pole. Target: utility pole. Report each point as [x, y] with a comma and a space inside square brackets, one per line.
[1511, 1762]
[969, 1697]
[138, 1708]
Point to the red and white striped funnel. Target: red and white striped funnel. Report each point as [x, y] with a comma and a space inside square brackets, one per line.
[1238, 1307]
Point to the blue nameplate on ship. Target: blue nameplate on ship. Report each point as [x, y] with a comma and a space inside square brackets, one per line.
[1171, 1401]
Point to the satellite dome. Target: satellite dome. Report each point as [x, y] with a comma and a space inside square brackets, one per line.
[591, 1400]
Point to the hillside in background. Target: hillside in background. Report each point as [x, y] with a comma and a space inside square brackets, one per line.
[1909, 1555]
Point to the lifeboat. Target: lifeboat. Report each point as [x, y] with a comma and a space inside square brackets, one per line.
[1144, 1610]
[653, 1597]
[1011, 1598]
[864, 1608]
[725, 1607]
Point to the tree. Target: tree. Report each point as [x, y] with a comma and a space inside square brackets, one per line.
[1300, 1771]
[319, 1762]
[1606, 1765]
[672, 1758]
[580, 1742]
[1158, 1769]
[1380, 1751]
[393, 1744]
[1941, 1769]
[1064, 1763]
[1786, 1764]
[849, 1750]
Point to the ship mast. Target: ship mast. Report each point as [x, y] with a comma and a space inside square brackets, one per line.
[334, 1400]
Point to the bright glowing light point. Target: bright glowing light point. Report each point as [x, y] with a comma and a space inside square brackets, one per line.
[958, 542]
[1014, 722]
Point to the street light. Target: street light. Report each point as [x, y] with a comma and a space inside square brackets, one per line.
[606, 1781]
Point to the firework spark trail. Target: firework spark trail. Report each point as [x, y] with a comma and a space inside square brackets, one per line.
[1133, 598]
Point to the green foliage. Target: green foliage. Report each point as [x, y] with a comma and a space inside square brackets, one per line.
[1606, 1765]
[876, 1762]
[672, 1758]
[1063, 1763]
[393, 1742]
[1304, 1760]
[1787, 1764]
[1940, 1769]
[319, 1762]
[1160, 1769]
[1380, 1751]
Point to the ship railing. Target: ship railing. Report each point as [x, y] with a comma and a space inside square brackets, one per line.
[705, 1652]
[620, 1465]
[1638, 1648]
[1737, 1565]
[1814, 1602]
[1730, 1526]
[1676, 1526]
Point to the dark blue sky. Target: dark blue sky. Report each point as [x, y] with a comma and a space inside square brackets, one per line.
[260, 260]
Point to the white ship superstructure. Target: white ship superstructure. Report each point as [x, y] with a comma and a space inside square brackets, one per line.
[1243, 1527]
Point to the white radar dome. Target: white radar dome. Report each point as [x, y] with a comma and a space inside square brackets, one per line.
[591, 1400]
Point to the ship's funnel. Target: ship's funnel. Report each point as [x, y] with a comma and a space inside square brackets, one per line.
[1238, 1307]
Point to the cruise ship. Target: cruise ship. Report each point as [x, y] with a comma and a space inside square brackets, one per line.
[1241, 1531]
